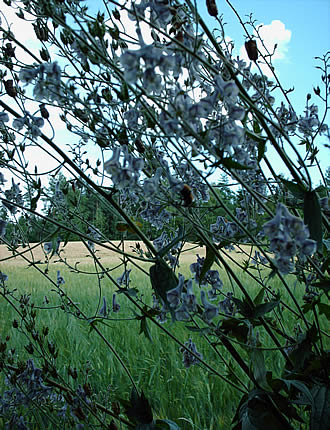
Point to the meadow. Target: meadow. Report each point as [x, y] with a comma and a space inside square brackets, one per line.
[194, 398]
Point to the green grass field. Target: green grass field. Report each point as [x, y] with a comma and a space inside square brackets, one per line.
[194, 398]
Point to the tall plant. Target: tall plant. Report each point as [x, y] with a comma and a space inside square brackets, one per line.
[170, 110]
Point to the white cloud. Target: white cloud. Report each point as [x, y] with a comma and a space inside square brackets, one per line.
[272, 34]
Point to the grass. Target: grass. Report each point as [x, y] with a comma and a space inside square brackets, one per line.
[194, 397]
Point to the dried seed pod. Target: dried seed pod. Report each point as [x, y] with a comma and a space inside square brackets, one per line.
[41, 31]
[139, 146]
[9, 87]
[251, 49]
[9, 50]
[44, 112]
[212, 7]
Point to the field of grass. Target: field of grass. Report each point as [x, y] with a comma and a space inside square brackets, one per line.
[194, 398]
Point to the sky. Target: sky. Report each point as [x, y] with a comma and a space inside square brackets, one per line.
[301, 28]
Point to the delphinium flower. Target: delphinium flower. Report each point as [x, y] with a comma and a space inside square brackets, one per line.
[213, 279]
[174, 295]
[188, 358]
[2, 179]
[47, 79]
[288, 236]
[150, 186]
[210, 311]
[103, 310]
[14, 195]
[258, 259]
[227, 305]
[115, 304]
[196, 269]
[52, 246]
[189, 298]
[3, 277]
[126, 174]
[33, 124]
[60, 279]
[124, 278]
[95, 234]
[155, 213]
[4, 117]
[3, 226]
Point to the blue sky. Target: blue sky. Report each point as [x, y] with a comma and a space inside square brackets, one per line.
[309, 23]
[301, 28]
[302, 33]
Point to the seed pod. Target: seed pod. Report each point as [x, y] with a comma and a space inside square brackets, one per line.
[41, 31]
[212, 7]
[251, 49]
[9, 87]
[139, 146]
[9, 50]
[44, 112]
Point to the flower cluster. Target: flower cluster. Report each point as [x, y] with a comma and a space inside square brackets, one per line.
[188, 358]
[288, 236]
[47, 79]
[33, 124]
[125, 175]
[14, 195]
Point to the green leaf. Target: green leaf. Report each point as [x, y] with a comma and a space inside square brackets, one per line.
[243, 307]
[320, 416]
[258, 298]
[162, 279]
[139, 408]
[231, 164]
[297, 190]
[256, 127]
[165, 425]
[176, 240]
[258, 367]
[261, 150]
[35, 199]
[264, 308]
[209, 260]
[145, 329]
[313, 217]
[201, 330]
[322, 190]
[324, 309]
[324, 285]
[307, 398]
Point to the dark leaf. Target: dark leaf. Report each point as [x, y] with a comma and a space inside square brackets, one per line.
[264, 308]
[145, 329]
[243, 307]
[324, 309]
[202, 330]
[261, 150]
[297, 190]
[165, 425]
[313, 217]
[258, 298]
[139, 409]
[176, 240]
[162, 279]
[209, 260]
[258, 366]
[324, 285]
[320, 416]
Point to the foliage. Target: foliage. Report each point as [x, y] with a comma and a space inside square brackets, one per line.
[154, 110]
